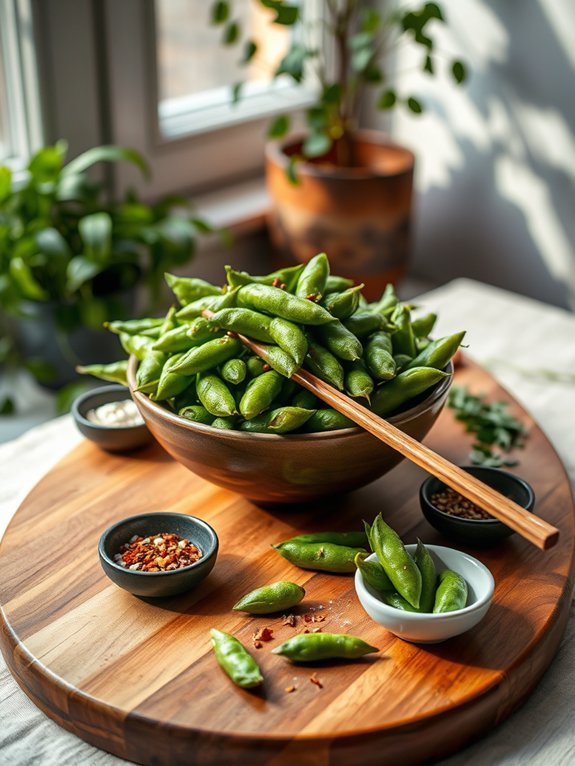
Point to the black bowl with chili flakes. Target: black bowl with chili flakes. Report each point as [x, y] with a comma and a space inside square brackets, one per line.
[158, 554]
[459, 519]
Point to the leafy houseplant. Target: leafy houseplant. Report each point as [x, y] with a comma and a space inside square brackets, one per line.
[70, 259]
[365, 233]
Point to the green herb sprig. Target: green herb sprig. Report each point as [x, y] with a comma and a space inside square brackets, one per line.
[492, 425]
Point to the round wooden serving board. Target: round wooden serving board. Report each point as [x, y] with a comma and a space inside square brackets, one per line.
[139, 678]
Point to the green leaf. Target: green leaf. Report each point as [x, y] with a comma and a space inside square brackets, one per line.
[373, 74]
[106, 154]
[236, 92]
[66, 395]
[317, 118]
[360, 40]
[202, 226]
[370, 20]
[387, 100]
[361, 59]
[287, 15]
[250, 50]
[433, 11]
[293, 62]
[26, 281]
[7, 406]
[220, 12]
[96, 233]
[279, 126]
[81, 270]
[291, 170]
[415, 105]
[52, 244]
[331, 94]
[43, 371]
[316, 144]
[46, 165]
[428, 65]
[459, 72]
[231, 33]
[5, 182]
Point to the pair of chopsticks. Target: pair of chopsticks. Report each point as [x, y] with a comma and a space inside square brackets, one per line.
[529, 526]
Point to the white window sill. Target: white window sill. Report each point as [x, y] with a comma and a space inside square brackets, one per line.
[239, 208]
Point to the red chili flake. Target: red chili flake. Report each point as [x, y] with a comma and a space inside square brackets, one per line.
[266, 367]
[160, 552]
[312, 297]
[262, 634]
[278, 283]
[315, 680]
[289, 619]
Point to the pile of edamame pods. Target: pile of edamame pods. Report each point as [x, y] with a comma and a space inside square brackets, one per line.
[302, 316]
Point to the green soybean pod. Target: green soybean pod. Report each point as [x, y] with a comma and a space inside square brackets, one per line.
[343, 305]
[255, 366]
[396, 561]
[288, 391]
[284, 278]
[306, 399]
[173, 341]
[290, 338]
[313, 279]
[388, 301]
[402, 362]
[327, 419]
[171, 383]
[351, 539]
[197, 413]
[358, 382]
[373, 574]
[403, 338]
[260, 393]
[379, 356]
[276, 597]
[200, 330]
[336, 284]
[282, 420]
[272, 300]
[253, 324]
[188, 289]
[210, 302]
[321, 557]
[340, 341]
[397, 601]
[422, 326]
[234, 371]
[134, 326]
[116, 372]
[215, 395]
[438, 353]
[235, 660]
[324, 364]
[314, 647]
[451, 592]
[279, 360]
[426, 566]
[210, 354]
[363, 323]
[226, 424]
[391, 395]
[150, 370]
[136, 345]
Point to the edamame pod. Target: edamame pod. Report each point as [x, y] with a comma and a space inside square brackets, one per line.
[403, 338]
[313, 647]
[171, 383]
[260, 393]
[324, 364]
[150, 370]
[210, 354]
[189, 289]
[137, 345]
[276, 597]
[196, 413]
[279, 421]
[327, 419]
[343, 305]
[321, 557]
[379, 356]
[373, 574]
[390, 396]
[423, 326]
[351, 539]
[253, 324]
[396, 561]
[279, 360]
[438, 353]
[340, 341]
[134, 326]
[363, 323]
[211, 302]
[290, 338]
[272, 300]
[235, 660]
[286, 278]
[358, 382]
[234, 371]
[426, 566]
[313, 279]
[215, 395]
[116, 372]
[451, 592]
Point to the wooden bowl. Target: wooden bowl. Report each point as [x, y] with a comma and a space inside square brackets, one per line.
[292, 468]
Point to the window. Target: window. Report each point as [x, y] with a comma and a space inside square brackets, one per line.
[20, 120]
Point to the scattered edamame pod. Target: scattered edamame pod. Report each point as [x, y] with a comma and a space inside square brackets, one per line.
[352, 539]
[116, 372]
[235, 660]
[276, 597]
[321, 557]
[313, 647]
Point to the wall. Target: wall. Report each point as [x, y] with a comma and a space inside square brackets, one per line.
[496, 157]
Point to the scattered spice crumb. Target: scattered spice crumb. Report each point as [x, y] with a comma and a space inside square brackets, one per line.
[314, 617]
[315, 680]
[289, 619]
[262, 634]
[316, 630]
[290, 689]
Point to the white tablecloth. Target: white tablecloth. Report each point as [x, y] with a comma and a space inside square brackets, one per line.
[518, 339]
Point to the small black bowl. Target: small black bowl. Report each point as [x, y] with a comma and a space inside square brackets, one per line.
[476, 532]
[111, 438]
[159, 584]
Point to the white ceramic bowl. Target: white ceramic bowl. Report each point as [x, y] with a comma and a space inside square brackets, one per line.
[433, 628]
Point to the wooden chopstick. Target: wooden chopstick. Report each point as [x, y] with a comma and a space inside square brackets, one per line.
[531, 527]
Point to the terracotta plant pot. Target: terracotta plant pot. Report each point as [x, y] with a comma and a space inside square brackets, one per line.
[360, 215]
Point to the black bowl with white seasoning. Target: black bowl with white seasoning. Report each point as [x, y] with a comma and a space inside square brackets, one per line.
[459, 519]
[107, 416]
[158, 554]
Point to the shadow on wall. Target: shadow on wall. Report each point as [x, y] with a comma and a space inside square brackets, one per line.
[496, 158]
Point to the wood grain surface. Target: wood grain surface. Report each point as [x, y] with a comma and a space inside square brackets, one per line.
[138, 678]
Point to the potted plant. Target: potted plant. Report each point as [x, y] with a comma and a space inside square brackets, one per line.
[70, 259]
[337, 188]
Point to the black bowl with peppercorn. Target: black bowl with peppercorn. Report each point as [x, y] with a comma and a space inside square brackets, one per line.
[158, 554]
[460, 519]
